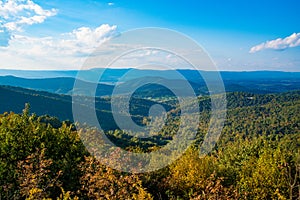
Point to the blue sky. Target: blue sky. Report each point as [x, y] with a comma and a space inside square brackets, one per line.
[238, 35]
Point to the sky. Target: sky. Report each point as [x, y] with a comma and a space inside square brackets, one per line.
[238, 35]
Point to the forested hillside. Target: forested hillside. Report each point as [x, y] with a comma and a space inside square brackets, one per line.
[257, 156]
[60, 106]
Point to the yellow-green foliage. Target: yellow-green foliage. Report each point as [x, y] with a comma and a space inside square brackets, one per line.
[257, 157]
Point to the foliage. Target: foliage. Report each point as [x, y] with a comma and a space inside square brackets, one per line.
[101, 182]
[257, 156]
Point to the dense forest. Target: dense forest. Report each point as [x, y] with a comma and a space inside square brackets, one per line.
[257, 156]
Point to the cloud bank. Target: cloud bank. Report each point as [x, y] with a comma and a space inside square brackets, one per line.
[278, 44]
[67, 50]
[14, 14]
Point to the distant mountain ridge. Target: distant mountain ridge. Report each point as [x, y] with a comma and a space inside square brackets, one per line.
[59, 85]
[113, 75]
[62, 82]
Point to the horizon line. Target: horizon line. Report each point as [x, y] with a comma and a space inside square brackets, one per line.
[66, 70]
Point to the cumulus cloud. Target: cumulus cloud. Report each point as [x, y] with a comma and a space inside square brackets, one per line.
[278, 44]
[14, 14]
[86, 39]
[68, 50]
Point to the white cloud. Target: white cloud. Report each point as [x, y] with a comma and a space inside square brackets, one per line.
[66, 51]
[14, 14]
[278, 44]
[110, 3]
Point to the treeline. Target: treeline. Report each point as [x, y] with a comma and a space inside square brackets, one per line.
[257, 157]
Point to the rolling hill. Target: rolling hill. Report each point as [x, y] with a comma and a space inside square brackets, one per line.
[58, 105]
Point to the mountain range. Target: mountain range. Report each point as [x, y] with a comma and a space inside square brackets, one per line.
[62, 82]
